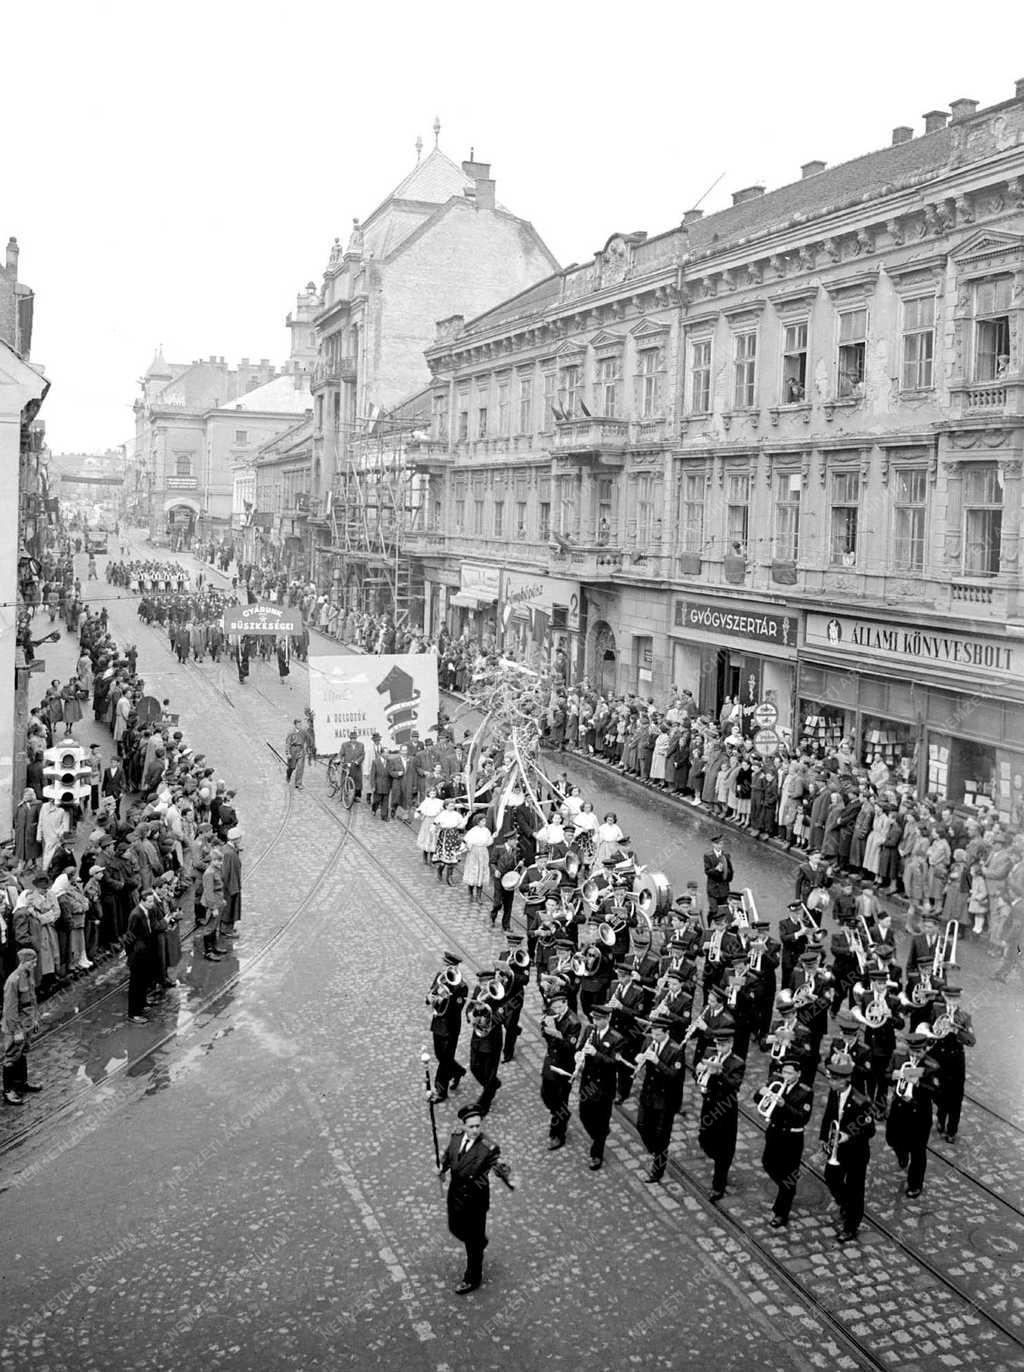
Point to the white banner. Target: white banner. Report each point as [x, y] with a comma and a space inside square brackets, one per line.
[391, 695]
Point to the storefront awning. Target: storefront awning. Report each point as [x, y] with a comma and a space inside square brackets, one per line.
[469, 601]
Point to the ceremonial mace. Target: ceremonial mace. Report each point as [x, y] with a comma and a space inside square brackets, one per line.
[425, 1059]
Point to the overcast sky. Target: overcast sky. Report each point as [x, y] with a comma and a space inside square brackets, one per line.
[175, 173]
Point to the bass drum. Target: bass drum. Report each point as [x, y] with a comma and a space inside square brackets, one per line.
[653, 895]
[641, 926]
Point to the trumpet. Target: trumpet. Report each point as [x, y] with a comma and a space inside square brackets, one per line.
[832, 1145]
[866, 939]
[807, 922]
[769, 1099]
[713, 947]
[735, 987]
[945, 949]
[707, 1070]
[906, 1078]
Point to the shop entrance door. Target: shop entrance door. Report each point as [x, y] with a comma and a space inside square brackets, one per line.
[727, 679]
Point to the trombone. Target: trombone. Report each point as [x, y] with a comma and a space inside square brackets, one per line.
[856, 947]
[945, 949]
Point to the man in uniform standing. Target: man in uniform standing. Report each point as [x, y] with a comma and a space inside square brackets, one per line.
[719, 1078]
[718, 873]
[446, 998]
[295, 753]
[663, 1065]
[20, 1020]
[847, 1146]
[561, 1031]
[469, 1157]
[599, 1082]
[784, 1136]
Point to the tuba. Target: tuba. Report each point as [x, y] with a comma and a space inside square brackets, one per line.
[770, 1097]
[570, 865]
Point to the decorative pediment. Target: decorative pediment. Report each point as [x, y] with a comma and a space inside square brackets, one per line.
[849, 289]
[916, 271]
[749, 312]
[606, 342]
[649, 330]
[986, 244]
[796, 304]
[571, 350]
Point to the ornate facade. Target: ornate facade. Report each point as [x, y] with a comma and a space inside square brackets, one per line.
[774, 453]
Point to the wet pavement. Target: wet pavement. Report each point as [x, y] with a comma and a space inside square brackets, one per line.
[258, 1190]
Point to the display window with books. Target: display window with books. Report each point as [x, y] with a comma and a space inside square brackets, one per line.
[893, 742]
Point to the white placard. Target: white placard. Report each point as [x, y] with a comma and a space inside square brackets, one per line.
[392, 695]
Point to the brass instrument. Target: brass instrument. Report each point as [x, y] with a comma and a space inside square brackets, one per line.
[906, 1078]
[944, 1026]
[832, 1145]
[706, 1070]
[570, 865]
[857, 949]
[878, 1011]
[923, 990]
[577, 965]
[945, 949]
[770, 1097]
[653, 894]
[713, 947]
[805, 919]
[805, 994]
[865, 934]
[757, 951]
[520, 958]
[606, 934]
[439, 994]
[735, 987]
[781, 1040]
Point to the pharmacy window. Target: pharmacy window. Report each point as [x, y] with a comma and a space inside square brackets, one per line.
[992, 329]
[853, 342]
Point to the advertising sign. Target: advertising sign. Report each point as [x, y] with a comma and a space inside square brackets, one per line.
[392, 695]
[262, 619]
[901, 646]
[762, 627]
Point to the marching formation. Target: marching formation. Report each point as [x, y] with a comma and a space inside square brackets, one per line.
[639, 993]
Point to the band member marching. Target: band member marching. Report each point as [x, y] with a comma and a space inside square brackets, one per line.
[719, 1078]
[561, 1031]
[469, 1158]
[484, 1050]
[847, 1044]
[663, 1066]
[952, 1033]
[785, 1106]
[847, 1128]
[598, 1075]
[517, 961]
[629, 1003]
[914, 1076]
[446, 997]
[876, 1005]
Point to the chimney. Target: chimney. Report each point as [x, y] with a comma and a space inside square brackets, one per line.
[691, 216]
[12, 256]
[747, 193]
[1019, 89]
[483, 187]
[962, 109]
[811, 169]
[485, 193]
[245, 362]
[935, 120]
[903, 133]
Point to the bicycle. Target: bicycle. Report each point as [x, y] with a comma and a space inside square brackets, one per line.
[340, 780]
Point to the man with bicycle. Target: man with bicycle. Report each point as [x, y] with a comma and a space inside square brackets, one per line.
[352, 755]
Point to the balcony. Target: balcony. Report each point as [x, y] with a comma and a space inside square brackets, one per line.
[586, 562]
[431, 456]
[332, 370]
[984, 400]
[601, 441]
[423, 541]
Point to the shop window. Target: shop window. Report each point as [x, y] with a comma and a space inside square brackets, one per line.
[648, 384]
[526, 405]
[910, 496]
[691, 513]
[845, 509]
[983, 519]
[744, 370]
[569, 390]
[918, 342]
[794, 364]
[962, 771]
[499, 518]
[853, 335]
[737, 510]
[478, 516]
[504, 409]
[788, 486]
[992, 329]
[609, 383]
[700, 377]
[544, 520]
[893, 742]
[549, 401]
[481, 421]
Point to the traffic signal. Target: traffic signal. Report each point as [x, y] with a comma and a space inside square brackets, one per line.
[66, 774]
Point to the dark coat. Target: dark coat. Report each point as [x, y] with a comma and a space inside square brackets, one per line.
[469, 1192]
[719, 880]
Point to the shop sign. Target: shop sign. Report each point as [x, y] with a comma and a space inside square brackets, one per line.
[766, 716]
[895, 643]
[181, 483]
[483, 582]
[766, 742]
[710, 618]
[524, 594]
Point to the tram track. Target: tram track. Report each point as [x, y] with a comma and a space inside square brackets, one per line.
[973, 1305]
[184, 1019]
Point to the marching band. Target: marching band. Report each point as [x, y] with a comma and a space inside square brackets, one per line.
[638, 991]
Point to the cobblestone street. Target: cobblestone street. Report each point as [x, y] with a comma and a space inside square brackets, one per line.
[248, 1180]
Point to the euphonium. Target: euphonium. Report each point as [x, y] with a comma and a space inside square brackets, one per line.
[944, 1026]
[578, 965]
[877, 1011]
[770, 1097]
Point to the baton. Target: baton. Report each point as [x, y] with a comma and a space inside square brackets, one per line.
[425, 1059]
